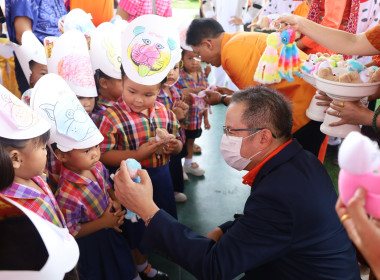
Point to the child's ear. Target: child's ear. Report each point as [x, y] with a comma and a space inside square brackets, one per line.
[61, 156]
[16, 158]
[103, 82]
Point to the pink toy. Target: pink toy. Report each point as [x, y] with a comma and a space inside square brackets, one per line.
[199, 98]
[359, 160]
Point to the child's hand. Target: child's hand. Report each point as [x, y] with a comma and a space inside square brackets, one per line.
[179, 113]
[182, 105]
[118, 211]
[109, 219]
[172, 146]
[149, 148]
[206, 124]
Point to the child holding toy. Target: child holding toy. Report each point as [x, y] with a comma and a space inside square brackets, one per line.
[192, 81]
[23, 139]
[150, 48]
[84, 192]
[171, 98]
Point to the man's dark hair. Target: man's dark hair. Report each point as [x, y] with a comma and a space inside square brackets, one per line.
[202, 28]
[266, 108]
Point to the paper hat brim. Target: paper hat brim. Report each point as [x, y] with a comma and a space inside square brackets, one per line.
[31, 49]
[71, 127]
[182, 29]
[62, 249]
[71, 60]
[17, 120]
[105, 51]
[150, 48]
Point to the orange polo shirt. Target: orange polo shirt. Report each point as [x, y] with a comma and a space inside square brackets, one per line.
[100, 10]
[240, 54]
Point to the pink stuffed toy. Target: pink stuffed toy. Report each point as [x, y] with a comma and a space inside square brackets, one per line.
[359, 160]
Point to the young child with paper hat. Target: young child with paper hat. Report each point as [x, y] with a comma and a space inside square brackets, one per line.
[68, 57]
[84, 193]
[149, 50]
[173, 100]
[32, 248]
[23, 138]
[105, 53]
[32, 58]
[192, 80]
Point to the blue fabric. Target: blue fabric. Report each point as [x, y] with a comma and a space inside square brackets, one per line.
[289, 229]
[105, 255]
[43, 13]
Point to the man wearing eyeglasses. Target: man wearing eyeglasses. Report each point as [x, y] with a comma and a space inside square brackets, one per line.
[289, 229]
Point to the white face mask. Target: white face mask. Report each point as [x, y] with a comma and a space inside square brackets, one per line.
[230, 148]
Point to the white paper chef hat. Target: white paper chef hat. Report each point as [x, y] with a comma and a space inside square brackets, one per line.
[182, 29]
[150, 49]
[31, 49]
[71, 126]
[105, 50]
[17, 120]
[77, 19]
[62, 249]
[68, 57]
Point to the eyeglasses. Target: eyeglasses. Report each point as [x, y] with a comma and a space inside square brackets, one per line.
[227, 130]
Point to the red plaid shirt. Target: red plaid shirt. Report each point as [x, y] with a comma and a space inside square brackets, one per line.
[193, 119]
[41, 203]
[81, 199]
[124, 129]
[101, 105]
[136, 8]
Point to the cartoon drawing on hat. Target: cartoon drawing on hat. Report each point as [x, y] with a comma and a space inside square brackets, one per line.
[105, 51]
[69, 58]
[72, 127]
[17, 120]
[150, 48]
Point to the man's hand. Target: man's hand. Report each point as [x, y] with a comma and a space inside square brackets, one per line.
[137, 197]
[212, 97]
[224, 90]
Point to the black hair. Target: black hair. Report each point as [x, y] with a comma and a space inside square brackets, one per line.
[124, 75]
[31, 64]
[202, 28]
[266, 108]
[100, 74]
[7, 173]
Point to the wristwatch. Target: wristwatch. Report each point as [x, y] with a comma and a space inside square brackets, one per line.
[223, 101]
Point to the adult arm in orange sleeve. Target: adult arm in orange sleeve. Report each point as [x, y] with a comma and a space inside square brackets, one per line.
[332, 18]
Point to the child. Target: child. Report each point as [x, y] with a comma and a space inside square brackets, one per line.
[105, 56]
[171, 98]
[68, 57]
[32, 58]
[84, 192]
[149, 50]
[191, 81]
[23, 161]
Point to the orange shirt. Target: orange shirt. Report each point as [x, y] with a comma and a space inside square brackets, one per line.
[240, 55]
[373, 36]
[335, 15]
[101, 10]
[302, 10]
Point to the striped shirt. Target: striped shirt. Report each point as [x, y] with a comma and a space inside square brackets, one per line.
[124, 129]
[102, 104]
[136, 8]
[193, 119]
[80, 199]
[41, 203]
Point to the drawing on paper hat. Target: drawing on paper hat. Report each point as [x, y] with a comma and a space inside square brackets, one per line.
[61, 248]
[105, 51]
[150, 49]
[17, 120]
[31, 49]
[68, 57]
[71, 126]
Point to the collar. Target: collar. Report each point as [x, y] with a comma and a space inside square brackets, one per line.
[251, 175]
[75, 178]
[104, 101]
[25, 192]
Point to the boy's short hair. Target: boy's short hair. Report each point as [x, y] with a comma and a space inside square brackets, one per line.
[202, 28]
